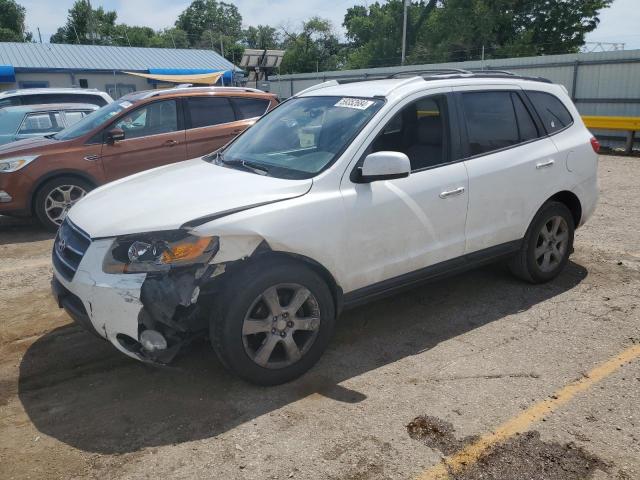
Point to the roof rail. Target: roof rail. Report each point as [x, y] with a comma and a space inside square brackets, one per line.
[430, 71]
[481, 71]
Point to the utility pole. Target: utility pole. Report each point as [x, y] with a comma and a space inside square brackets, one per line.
[404, 31]
[221, 47]
[39, 36]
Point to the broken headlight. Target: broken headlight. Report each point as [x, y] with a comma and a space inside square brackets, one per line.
[158, 252]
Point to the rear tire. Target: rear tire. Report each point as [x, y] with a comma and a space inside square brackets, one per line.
[547, 244]
[56, 197]
[258, 330]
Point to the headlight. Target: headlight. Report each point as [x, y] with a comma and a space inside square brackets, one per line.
[158, 252]
[16, 163]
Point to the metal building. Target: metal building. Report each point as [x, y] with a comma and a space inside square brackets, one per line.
[38, 65]
[600, 83]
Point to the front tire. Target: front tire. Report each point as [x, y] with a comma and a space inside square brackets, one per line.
[546, 246]
[273, 322]
[56, 197]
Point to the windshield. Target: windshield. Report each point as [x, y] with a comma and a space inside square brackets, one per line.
[303, 136]
[93, 120]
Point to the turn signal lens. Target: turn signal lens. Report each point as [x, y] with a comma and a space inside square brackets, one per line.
[186, 251]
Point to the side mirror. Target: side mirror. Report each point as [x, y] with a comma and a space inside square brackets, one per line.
[115, 135]
[384, 166]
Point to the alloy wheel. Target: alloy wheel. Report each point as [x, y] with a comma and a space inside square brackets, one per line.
[551, 244]
[281, 325]
[60, 200]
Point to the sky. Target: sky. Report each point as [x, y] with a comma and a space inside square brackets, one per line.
[620, 23]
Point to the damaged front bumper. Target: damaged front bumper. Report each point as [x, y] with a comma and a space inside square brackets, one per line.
[121, 307]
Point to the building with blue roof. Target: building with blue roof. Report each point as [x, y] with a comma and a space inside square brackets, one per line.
[43, 65]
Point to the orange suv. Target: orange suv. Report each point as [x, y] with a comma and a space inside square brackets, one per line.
[44, 176]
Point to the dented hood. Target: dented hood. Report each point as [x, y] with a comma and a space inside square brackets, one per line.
[167, 197]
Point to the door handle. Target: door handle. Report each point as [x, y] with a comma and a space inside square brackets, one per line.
[451, 193]
[548, 163]
[92, 158]
[171, 143]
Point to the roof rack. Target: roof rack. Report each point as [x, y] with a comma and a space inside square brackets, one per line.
[449, 73]
[430, 71]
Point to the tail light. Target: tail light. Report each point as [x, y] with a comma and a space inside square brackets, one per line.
[595, 144]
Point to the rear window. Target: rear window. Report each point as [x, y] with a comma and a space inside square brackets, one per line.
[63, 98]
[250, 107]
[207, 111]
[553, 113]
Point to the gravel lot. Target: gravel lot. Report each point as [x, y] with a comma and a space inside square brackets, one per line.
[406, 381]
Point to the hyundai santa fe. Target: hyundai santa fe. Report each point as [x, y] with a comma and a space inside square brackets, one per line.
[342, 194]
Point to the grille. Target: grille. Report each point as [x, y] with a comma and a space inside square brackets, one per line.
[69, 247]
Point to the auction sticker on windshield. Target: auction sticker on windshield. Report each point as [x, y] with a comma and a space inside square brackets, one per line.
[357, 103]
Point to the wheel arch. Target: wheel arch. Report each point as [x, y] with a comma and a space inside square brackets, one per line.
[572, 202]
[52, 176]
[271, 255]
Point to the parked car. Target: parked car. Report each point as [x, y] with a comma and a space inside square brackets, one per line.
[343, 194]
[37, 96]
[45, 176]
[17, 123]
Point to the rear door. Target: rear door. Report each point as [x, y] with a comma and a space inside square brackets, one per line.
[512, 164]
[154, 136]
[213, 121]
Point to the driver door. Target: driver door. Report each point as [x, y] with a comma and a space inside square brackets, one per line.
[404, 225]
[154, 136]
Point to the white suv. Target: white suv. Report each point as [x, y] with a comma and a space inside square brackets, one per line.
[343, 193]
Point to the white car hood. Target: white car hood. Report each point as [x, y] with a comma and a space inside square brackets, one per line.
[167, 197]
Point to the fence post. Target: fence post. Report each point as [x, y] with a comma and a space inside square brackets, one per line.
[629, 145]
[574, 85]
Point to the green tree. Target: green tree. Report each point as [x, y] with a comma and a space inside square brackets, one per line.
[262, 36]
[220, 18]
[87, 25]
[12, 27]
[375, 33]
[315, 47]
[170, 38]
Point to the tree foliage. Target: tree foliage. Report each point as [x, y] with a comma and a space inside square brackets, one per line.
[12, 27]
[87, 25]
[437, 31]
[262, 36]
[316, 47]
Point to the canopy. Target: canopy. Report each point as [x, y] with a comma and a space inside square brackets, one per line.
[7, 74]
[199, 78]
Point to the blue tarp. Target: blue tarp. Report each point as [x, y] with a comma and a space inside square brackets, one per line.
[8, 74]
[227, 77]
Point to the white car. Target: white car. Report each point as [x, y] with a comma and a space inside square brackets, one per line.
[342, 194]
[36, 96]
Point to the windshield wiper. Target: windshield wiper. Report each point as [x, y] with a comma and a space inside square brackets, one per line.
[249, 166]
[51, 135]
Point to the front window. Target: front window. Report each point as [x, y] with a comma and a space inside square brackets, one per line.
[93, 120]
[303, 136]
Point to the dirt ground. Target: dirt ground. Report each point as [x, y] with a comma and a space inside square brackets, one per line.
[406, 380]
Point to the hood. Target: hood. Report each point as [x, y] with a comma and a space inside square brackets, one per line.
[27, 146]
[165, 198]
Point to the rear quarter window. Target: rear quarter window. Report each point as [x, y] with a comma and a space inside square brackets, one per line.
[552, 112]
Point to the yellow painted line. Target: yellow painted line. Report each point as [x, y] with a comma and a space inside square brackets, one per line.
[470, 454]
[631, 124]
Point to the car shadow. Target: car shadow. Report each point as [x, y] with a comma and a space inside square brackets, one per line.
[22, 230]
[81, 391]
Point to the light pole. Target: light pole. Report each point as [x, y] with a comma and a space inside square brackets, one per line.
[404, 31]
